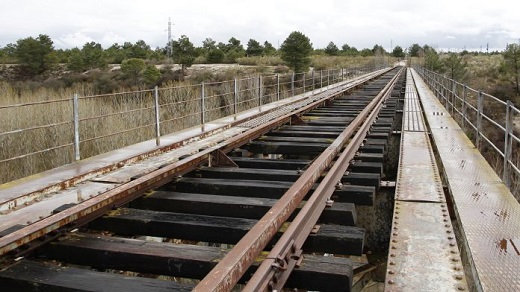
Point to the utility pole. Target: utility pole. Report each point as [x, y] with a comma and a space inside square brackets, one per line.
[169, 47]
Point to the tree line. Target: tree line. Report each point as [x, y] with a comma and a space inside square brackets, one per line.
[37, 54]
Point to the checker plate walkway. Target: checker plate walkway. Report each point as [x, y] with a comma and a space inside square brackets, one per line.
[423, 254]
[486, 211]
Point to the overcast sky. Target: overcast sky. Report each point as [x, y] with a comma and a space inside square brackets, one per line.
[444, 24]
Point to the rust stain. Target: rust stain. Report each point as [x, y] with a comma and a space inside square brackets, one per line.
[502, 245]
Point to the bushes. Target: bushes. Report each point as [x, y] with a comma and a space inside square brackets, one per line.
[260, 61]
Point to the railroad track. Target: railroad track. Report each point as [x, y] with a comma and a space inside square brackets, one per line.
[264, 209]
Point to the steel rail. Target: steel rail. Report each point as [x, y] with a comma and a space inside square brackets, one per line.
[90, 209]
[278, 265]
[229, 270]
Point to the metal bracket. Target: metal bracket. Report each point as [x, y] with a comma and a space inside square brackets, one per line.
[219, 158]
[296, 120]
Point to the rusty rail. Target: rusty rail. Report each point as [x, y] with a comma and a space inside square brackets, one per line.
[276, 268]
[233, 266]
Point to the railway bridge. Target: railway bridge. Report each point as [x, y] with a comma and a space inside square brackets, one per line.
[376, 177]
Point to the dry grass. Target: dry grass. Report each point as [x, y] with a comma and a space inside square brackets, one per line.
[39, 136]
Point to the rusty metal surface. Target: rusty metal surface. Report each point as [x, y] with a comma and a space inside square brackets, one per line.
[232, 267]
[287, 250]
[423, 254]
[487, 212]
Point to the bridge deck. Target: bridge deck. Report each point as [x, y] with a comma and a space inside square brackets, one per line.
[486, 211]
[423, 254]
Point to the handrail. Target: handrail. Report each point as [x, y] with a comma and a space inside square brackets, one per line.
[486, 115]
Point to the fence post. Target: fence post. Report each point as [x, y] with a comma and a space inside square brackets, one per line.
[303, 82]
[259, 92]
[506, 177]
[292, 84]
[277, 86]
[157, 117]
[313, 81]
[321, 80]
[235, 97]
[464, 106]
[480, 109]
[453, 96]
[75, 105]
[328, 77]
[202, 106]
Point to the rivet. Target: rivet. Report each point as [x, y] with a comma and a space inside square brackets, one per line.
[459, 277]
[453, 251]
[391, 282]
[394, 241]
[392, 263]
[452, 244]
[396, 217]
[447, 225]
[460, 288]
[456, 268]
[450, 237]
[448, 231]
[392, 255]
[395, 234]
[454, 260]
[396, 212]
[391, 272]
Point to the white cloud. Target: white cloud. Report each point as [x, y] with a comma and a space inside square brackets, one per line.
[357, 23]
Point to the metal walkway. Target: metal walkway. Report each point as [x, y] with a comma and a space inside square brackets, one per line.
[423, 254]
[486, 211]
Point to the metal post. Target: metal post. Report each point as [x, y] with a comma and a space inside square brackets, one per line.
[328, 77]
[259, 92]
[508, 146]
[321, 79]
[235, 97]
[480, 109]
[277, 86]
[453, 96]
[303, 82]
[292, 84]
[157, 117]
[313, 81]
[75, 105]
[202, 106]
[464, 106]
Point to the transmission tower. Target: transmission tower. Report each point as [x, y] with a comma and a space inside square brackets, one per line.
[169, 47]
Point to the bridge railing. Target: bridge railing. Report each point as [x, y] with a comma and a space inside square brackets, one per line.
[492, 124]
[41, 135]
